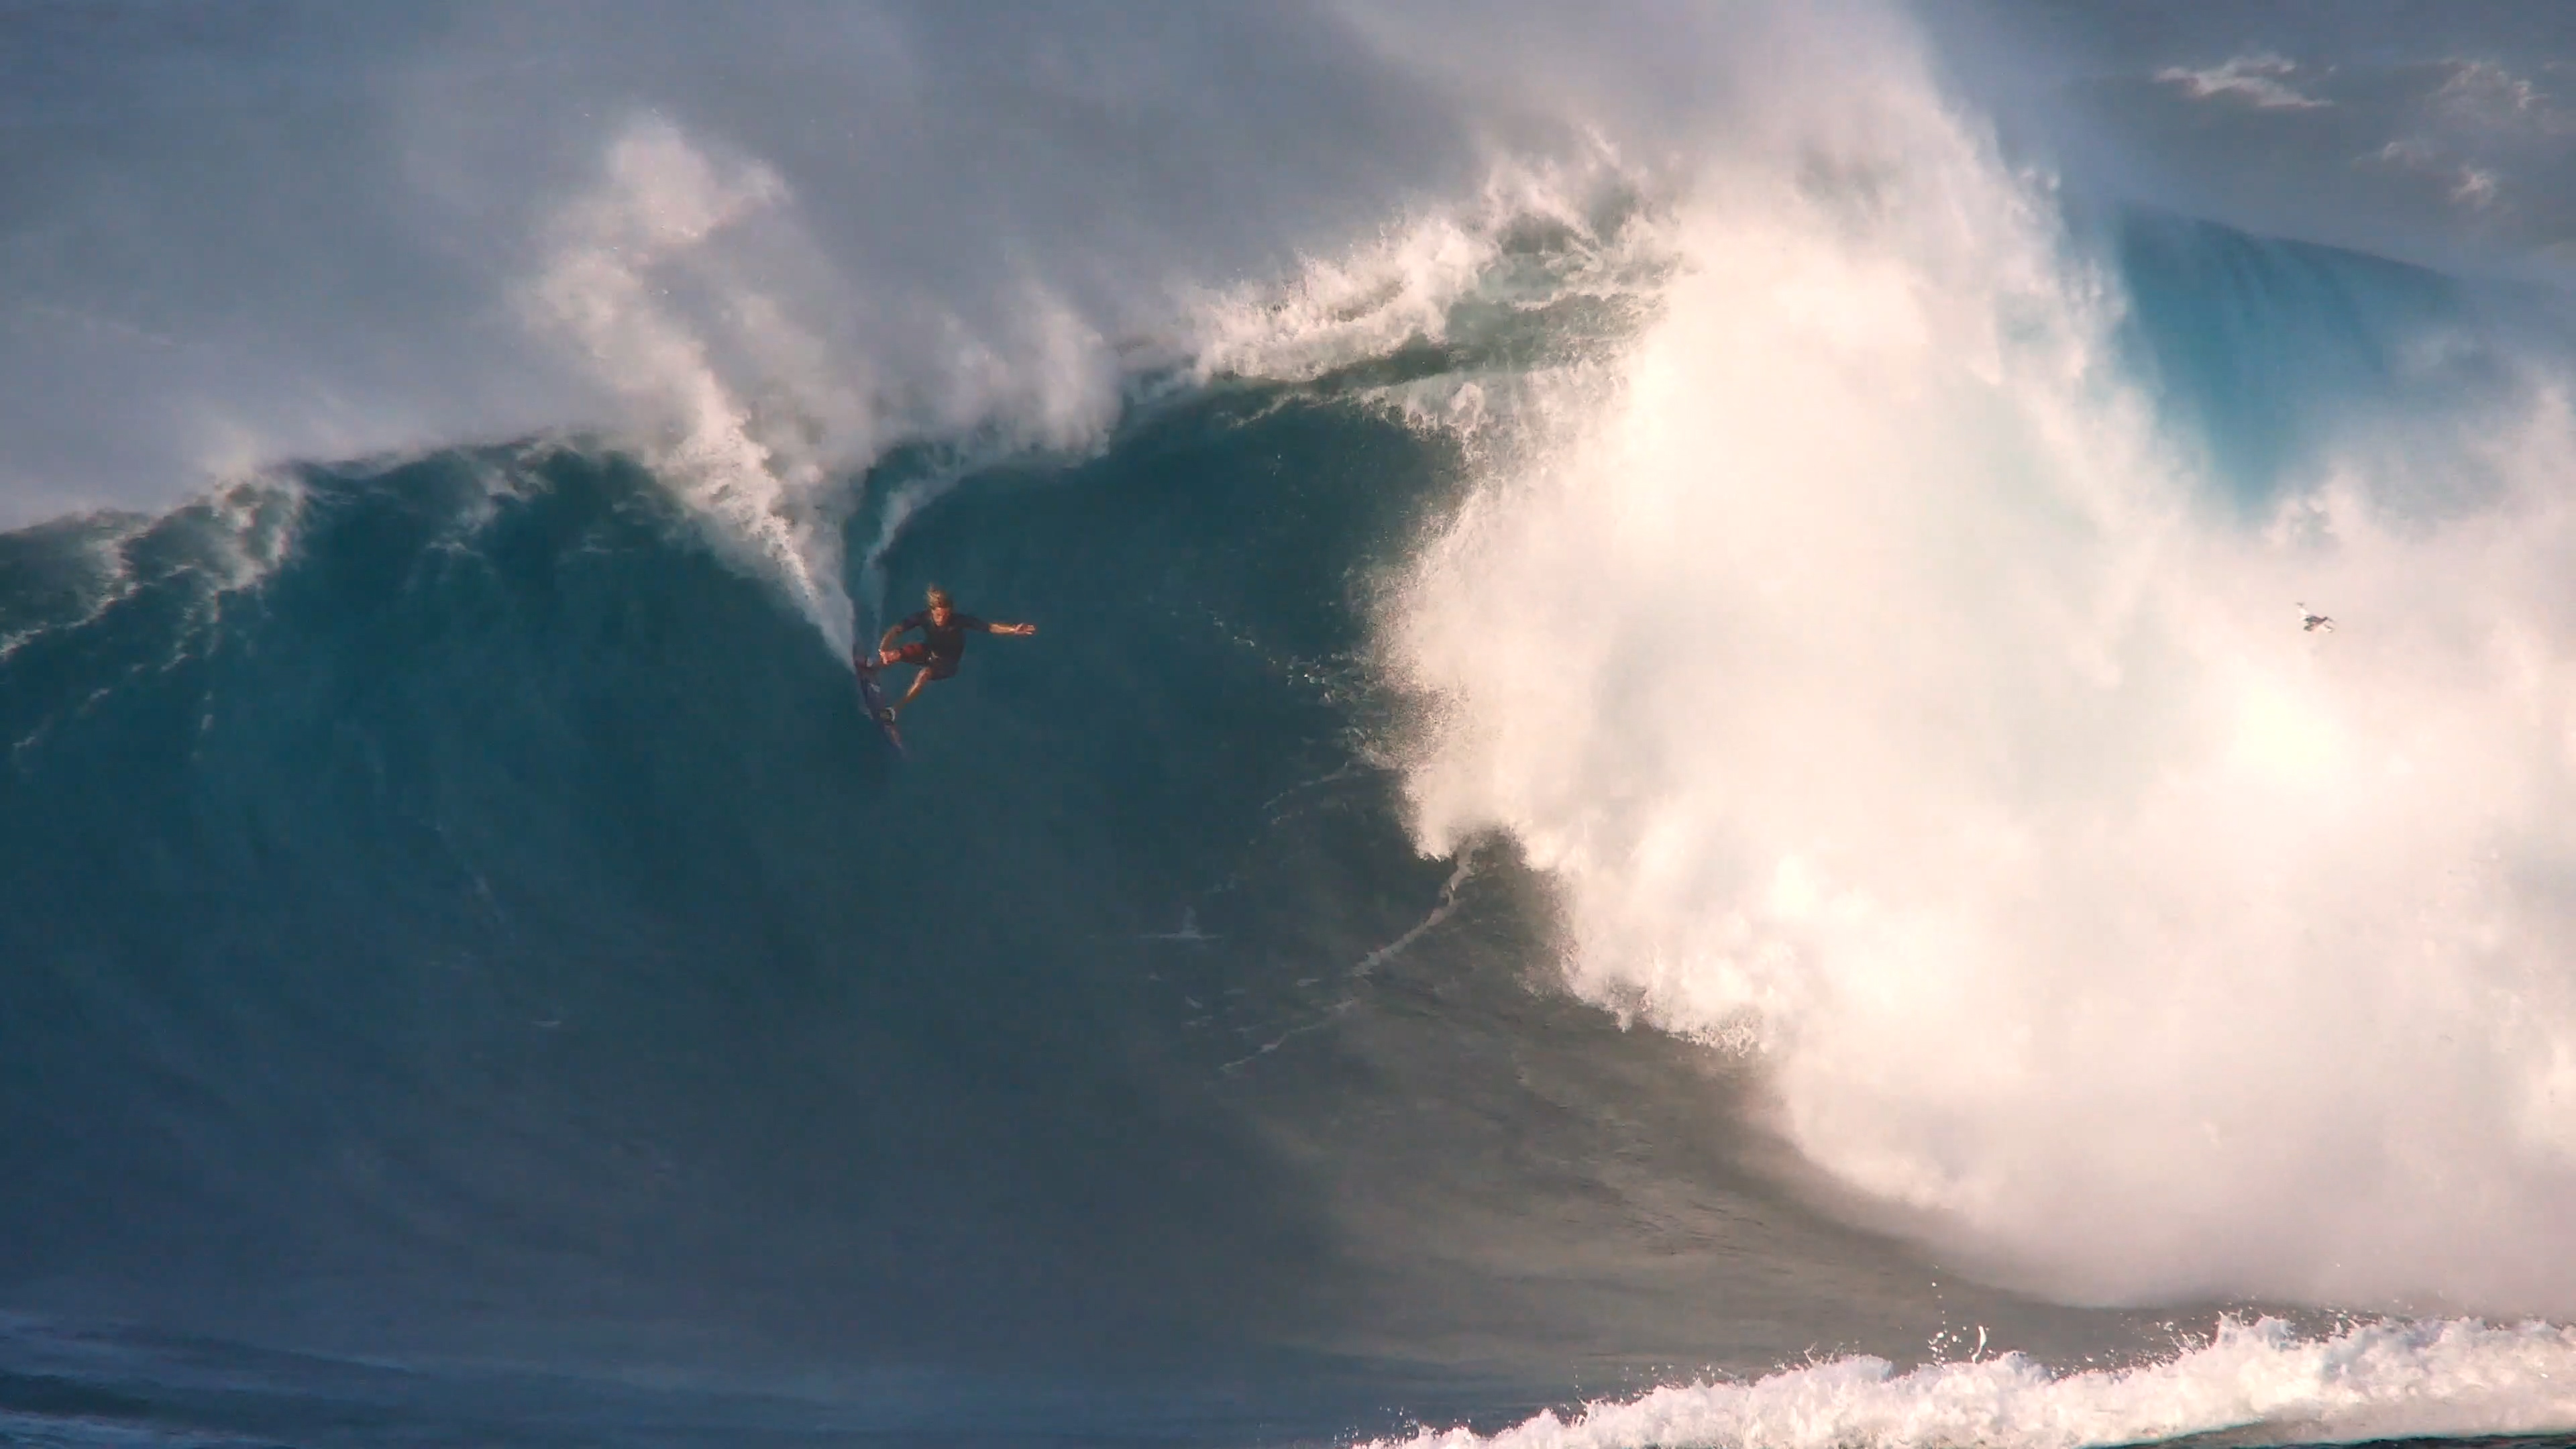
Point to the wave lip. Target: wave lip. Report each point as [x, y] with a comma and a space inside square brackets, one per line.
[2258, 1382]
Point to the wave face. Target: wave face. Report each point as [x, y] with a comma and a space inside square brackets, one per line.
[1683, 801]
[490, 873]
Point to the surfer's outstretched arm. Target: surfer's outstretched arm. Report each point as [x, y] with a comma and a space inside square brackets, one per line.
[1016, 630]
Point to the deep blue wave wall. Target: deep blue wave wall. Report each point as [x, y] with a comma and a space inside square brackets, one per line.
[502, 913]
[2269, 354]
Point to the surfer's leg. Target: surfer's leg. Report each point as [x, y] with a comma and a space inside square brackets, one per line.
[920, 677]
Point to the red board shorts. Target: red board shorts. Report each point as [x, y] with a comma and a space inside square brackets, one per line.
[918, 653]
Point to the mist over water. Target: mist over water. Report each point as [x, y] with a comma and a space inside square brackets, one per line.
[1672, 762]
[1921, 715]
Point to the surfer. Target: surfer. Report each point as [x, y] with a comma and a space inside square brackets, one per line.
[936, 653]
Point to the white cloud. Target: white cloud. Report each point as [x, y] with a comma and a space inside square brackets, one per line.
[2259, 79]
[2485, 94]
[2464, 183]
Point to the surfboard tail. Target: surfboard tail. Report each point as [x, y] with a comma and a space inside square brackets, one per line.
[873, 700]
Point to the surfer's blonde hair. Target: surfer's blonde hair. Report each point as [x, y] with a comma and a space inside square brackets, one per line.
[937, 596]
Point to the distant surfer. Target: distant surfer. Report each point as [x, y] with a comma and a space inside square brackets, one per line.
[936, 653]
[2312, 622]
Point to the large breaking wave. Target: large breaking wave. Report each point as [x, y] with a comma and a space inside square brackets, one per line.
[1663, 771]
[1929, 718]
